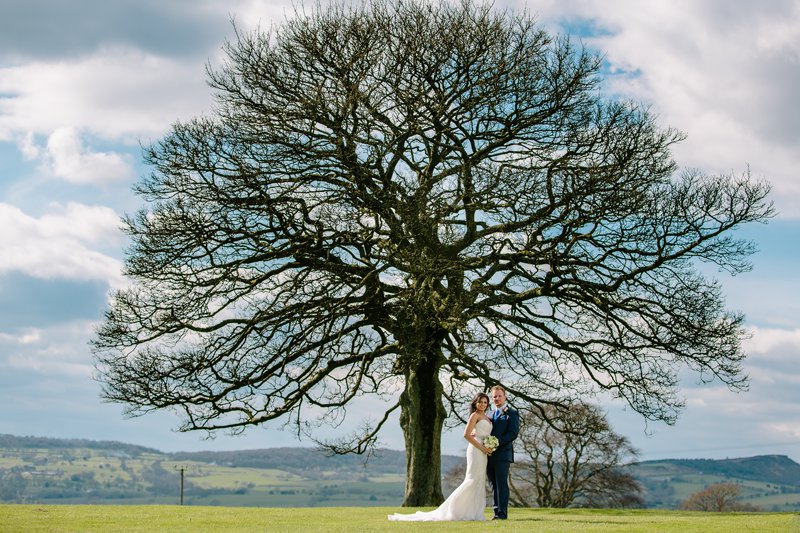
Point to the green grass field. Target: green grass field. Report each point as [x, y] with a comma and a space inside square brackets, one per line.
[166, 518]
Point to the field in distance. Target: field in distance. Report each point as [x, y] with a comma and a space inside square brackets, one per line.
[75, 471]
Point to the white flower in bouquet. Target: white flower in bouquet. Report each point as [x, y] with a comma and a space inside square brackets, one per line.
[491, 442]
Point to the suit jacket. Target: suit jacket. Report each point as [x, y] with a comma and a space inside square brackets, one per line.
[506, 429]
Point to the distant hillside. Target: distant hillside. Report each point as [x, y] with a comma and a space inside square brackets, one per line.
[771, 482]
[298, 460]
[47, 470]
[769, 468]
[21, 443]
[777, 469]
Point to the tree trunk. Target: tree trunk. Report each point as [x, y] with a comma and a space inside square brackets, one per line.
[422, 418]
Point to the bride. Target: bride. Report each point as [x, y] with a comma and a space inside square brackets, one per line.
[468, 501]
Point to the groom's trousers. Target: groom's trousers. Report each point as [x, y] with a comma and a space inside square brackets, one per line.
[497, 472]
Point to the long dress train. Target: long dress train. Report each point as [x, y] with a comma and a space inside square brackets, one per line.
[468, 501]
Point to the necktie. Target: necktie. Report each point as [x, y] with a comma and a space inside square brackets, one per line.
[496, 414]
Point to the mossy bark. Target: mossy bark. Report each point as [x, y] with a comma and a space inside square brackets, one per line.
[422, 418]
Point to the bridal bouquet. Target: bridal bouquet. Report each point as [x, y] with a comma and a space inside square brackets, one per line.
[491, 442]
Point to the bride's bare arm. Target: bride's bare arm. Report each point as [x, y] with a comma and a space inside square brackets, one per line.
[469, 433]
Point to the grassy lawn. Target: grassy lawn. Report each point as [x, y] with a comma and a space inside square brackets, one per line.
[166, 518]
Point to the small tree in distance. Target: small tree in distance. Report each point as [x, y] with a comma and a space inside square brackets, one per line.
[572, 457]
[406, 201]
[719, 498]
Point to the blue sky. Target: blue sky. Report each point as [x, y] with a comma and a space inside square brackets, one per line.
[83, 83]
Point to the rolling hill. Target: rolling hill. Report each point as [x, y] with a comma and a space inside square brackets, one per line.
[47, 470]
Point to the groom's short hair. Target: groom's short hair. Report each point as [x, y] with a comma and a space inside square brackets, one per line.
[498, 387]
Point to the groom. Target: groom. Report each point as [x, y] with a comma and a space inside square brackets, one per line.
[505, 426]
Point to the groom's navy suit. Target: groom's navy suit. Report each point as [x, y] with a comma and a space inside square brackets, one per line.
[505, 427]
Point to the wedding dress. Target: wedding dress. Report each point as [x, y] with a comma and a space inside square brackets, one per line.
[468, 501]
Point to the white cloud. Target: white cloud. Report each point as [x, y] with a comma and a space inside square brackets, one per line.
[717, 421]
[69, 159]
[265, 13]
[787, 430]
[772, 367]
[61, 244]
[55, 352]
[774, 342]
[726, 73]
[30, 336]
[115, 93]
[27, 145]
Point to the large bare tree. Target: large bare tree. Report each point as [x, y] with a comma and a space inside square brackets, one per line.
[408, 201]
[572, 457]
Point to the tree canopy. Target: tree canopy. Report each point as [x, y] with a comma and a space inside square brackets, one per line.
[412, 201]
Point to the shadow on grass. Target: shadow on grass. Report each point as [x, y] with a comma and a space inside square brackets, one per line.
[578, 520]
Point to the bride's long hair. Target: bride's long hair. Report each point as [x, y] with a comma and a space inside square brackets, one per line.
[473, 405]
